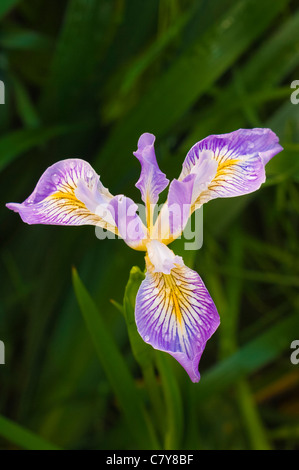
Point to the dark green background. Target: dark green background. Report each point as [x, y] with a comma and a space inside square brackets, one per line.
[84, 78]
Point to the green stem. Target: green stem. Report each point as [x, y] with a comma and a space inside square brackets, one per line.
[254, 426]
[174, 408]
[155, 397]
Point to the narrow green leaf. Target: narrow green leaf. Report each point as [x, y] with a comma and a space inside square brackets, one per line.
[25, 106]
[196, 69]
[249, 358]
[22, 437]
[117, 305]
[83, 37]
[6, 6]
[233, 288]
[173, 400]
[252, 420]
[14, 144]
[137, 68]
[229, 339]
[24, 40]
[117, 372]
[280, 48]
[142, 351]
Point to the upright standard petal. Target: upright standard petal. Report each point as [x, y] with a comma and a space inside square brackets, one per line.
[68, 193]
[175, 313]
[175, 213]
[152, 180]
[130, 227]
[228, 165]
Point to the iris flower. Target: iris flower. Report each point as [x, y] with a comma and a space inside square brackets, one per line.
[174, 311]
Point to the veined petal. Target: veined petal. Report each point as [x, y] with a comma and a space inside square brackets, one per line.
[229, 165]
[152, 180]
[130, 227]
[176, 314]
[68, 193]
[176, 212]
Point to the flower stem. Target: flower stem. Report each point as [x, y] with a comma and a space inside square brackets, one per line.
[154, 393]
[173, 400]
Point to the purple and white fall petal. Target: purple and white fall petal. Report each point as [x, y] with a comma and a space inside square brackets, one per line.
[175, 313]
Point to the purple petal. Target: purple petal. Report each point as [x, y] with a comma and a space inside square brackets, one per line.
[68, 193]
[176, 212]
[179, 203]
[241, 157]
[128, 222]
[176, 314]
[152, 181]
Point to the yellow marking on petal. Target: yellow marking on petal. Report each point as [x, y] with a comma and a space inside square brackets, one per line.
[173, 291]
[72, 203]
[66, 195]
[149, 215]
[226, 163]
[223, 168]
[71, 198]
[178, 312]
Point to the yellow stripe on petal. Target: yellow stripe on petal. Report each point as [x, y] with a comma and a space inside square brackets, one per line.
[241, 157]
[224, 165]
[68, 193]
[175, 313]
[173, 291]
[66, 208]
[225, 171]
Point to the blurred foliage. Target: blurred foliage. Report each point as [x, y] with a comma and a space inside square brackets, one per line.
[84, 78]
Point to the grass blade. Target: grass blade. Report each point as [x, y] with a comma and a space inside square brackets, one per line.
[173, 400]
[6, 6]
[143, 353]
[14, 144]
[249, 358]
[16, 434]
[157, 111]
[119, 376]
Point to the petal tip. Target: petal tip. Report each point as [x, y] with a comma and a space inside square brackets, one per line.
[176, 314]
[190, 365]
[15, 207]
[146, 139]
[21, 210]
[152, 180]
[11, 206]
